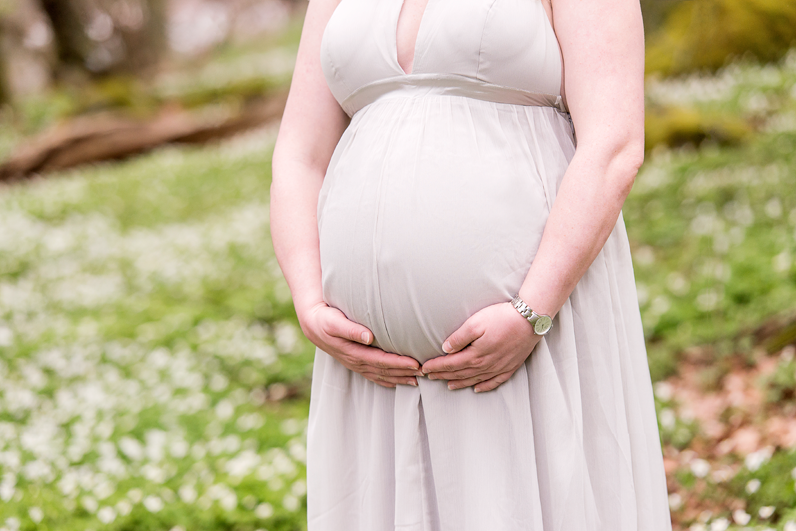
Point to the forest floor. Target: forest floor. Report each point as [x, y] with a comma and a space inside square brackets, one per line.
[153, 376]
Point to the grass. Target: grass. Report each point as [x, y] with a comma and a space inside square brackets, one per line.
[148, 345]
[153, 376]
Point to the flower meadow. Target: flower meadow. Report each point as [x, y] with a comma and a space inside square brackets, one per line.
[713, 233]
[153, 375]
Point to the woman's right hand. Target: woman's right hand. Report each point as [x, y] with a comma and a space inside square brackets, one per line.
[348, 342]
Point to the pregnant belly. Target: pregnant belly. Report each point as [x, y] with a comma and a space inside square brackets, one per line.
[420, 228]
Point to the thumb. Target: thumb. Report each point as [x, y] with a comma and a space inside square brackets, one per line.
[341, 326]
[466, 334]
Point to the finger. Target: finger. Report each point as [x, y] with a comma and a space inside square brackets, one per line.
[466, 334]
[469, 382]
[493, 383]
[382, 383]
[464, 359]
[468, 372]
[360, 358]
[387, 361]
[338, 325]
[381, 380]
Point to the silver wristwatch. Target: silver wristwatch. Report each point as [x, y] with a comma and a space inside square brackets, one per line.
[541, 323]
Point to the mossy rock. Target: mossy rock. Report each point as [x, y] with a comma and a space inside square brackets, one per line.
[677, 126]
[705, 34]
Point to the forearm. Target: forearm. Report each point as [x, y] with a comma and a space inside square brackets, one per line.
[294, 229]
[584, 213]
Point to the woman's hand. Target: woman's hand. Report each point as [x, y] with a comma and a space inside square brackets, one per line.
[486, 350]
[347, 342]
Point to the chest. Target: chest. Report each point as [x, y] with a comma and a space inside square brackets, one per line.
[505, 42]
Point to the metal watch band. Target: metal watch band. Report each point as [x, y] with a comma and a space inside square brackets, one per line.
[541, 323]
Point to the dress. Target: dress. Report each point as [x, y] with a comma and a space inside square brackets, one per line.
[432, 208]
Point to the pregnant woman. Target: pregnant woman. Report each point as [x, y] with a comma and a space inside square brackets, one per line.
[433, 218]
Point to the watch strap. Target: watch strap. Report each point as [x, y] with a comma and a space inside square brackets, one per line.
[541, 323]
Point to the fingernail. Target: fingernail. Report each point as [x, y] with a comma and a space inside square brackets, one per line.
[425, 371]
[477, 390]
[431, 377]
[413, 382]
[451, 387]
[420, 373]
[446, 347]
[365, 337]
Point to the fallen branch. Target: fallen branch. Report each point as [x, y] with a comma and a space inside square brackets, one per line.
[95, 138]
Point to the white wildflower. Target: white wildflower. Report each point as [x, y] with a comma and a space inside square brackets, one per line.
[229, 500]
[766, 511]
[719, 524]
[153, 503]
[667, 418]
[187, 493]
[124, 507]
[700, 468]
[663, 390]
[290, 502]
[179, 448]
[264, 510]
[741, 517]
[131, 448]
[89, 503]
[218, 382]
[675, 501]
[756, 459]
[36, 514]
[135, 495]
[225, 409]
[299, 488]
[106, 515]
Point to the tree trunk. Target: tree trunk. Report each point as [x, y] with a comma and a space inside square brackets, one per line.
[131, 38]
[69, 29]
[5, 95]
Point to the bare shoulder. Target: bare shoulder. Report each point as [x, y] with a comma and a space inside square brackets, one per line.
[602, 43]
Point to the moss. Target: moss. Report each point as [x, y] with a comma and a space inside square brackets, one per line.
[704, 34]
[676, 126]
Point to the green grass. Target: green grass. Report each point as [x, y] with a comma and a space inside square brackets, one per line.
[140, 301]
[148, 340]
[714, 227]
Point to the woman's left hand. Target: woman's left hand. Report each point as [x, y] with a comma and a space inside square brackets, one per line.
[485, 351]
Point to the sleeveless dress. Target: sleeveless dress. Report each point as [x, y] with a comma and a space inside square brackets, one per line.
[433, 207]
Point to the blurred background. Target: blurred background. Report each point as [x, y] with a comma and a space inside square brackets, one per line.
[152, 373]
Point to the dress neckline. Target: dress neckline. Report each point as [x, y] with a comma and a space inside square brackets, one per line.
[419, 41]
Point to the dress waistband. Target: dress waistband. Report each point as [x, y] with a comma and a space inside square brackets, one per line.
[446, 85]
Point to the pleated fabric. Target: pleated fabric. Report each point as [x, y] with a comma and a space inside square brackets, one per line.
[432, 208]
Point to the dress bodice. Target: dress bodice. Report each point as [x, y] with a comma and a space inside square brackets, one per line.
[500, 50]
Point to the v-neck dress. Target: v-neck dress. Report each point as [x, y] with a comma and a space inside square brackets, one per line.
[432, 208]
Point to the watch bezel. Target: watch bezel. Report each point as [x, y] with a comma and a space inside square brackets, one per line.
[542, 324]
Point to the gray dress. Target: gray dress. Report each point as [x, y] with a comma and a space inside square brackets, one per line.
[432, 208]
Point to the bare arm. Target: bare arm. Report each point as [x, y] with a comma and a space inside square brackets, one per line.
[602, 42]
[311, 126]
[603, 46]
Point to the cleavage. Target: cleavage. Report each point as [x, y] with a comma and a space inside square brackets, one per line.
[407, 30]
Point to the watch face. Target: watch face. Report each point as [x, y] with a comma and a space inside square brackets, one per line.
[542, 325]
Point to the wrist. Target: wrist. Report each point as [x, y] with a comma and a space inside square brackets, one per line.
[539, 301]
[540, 323]
[305, 309]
